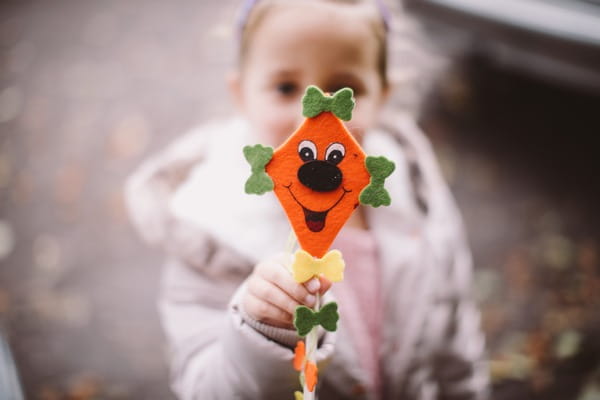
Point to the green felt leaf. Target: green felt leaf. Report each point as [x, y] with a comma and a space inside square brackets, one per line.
[315, 102]
[258, 156]
[375, 194]
[328, 316]
[305, 318]
[259, 183]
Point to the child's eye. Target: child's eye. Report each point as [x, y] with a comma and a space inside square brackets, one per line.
[286, 88]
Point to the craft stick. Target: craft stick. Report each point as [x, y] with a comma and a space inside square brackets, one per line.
[290, 245]
[311, 349]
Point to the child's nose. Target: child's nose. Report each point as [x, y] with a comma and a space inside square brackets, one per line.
[320, 176]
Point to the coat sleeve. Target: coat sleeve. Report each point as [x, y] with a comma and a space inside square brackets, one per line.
[214, 353]
[459, 364]
[149, 189]
[148, 192]
[452, 327]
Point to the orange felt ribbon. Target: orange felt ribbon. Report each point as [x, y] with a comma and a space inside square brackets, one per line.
[311, 373]
[299, 355]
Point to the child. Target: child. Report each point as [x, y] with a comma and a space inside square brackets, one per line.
[408, 329]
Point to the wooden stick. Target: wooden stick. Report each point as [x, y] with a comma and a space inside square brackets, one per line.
[311, 351]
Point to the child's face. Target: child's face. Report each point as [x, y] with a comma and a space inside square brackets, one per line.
[302, 44]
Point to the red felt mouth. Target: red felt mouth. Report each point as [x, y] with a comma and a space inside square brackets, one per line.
[315, 220]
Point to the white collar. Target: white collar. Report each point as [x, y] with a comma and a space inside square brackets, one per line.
[213, 197]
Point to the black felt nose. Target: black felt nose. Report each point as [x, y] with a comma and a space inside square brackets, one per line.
[320, 176]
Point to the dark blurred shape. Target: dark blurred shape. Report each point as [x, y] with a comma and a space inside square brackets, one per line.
[558, 40]
[515, 121]
[521, 157]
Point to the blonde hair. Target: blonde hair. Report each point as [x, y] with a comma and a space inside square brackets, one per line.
[373, 16]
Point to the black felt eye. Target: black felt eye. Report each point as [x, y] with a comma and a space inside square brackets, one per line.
[335, 153]
[307, 150]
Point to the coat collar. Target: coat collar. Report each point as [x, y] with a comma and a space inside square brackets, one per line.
[213, 198]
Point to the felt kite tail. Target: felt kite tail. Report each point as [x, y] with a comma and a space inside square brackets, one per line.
[307, 320]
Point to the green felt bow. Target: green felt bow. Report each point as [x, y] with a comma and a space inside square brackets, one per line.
[258, 156]
[315, 102]
[305, 318]
[375, 194]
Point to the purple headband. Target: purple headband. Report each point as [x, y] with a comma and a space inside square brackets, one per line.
[249, 5]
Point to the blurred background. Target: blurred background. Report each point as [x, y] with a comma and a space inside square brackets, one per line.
[509, 93]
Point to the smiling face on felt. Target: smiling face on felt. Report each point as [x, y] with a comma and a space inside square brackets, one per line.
[318, 174]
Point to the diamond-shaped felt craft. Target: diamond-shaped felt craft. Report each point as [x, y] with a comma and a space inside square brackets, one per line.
[319, 173]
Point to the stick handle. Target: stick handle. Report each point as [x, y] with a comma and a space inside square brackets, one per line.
[311, 349]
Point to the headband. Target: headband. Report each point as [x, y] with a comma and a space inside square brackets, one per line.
[249, 5]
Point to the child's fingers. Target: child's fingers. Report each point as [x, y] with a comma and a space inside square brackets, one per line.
[281, 278]
[271, 293]
[313, 285]
[325, 285]
[266, 312]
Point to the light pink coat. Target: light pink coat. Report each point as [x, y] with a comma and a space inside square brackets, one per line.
[189, 199]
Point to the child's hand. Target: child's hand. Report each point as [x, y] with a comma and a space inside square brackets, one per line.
[272, 294]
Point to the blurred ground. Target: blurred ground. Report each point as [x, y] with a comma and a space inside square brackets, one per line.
[87, 89]
[521, 157]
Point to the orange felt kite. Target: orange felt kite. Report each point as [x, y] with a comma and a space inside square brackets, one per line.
[320, 174]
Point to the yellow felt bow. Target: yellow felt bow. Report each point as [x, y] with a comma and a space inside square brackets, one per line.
[331, 266]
